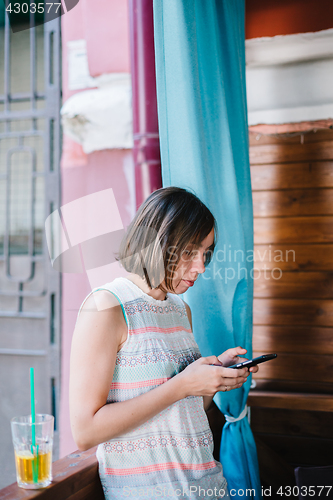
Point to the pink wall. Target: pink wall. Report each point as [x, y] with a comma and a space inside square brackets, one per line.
[111, 31]
[104, 25]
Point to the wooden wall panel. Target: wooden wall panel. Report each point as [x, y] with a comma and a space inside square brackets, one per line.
[291, 401]
[293, 312]
[275, 153]
[309, 387]
[293, 339]
[296, 285]
[291, 257]
[285, 140]
[292, 405]
[298, 367]
[292, 422]
[301, 450]
[316, 229]
[293, 202]
[296, 175]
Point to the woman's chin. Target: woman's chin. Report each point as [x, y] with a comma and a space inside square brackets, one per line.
[182, 287]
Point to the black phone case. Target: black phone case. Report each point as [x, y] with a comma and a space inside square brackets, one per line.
[254, 361]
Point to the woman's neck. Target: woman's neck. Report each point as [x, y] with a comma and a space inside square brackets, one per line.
[156, 293]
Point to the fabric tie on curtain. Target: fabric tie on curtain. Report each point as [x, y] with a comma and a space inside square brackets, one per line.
[200, 71]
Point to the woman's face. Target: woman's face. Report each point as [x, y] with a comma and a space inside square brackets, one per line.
[191, 264]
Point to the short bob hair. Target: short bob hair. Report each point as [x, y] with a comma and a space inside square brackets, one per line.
[167, 222]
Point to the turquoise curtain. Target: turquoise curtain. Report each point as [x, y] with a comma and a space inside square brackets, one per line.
[200, 71]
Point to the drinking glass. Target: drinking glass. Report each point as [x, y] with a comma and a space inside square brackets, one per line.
[33, 450]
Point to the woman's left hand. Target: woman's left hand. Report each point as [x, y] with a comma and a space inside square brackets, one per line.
[234, 356]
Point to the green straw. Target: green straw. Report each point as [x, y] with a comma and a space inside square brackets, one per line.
[33, 429]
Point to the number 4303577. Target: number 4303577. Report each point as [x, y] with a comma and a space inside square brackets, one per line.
[304, 491]
[40, 8]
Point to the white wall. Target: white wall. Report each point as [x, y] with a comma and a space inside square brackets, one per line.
[290, 78]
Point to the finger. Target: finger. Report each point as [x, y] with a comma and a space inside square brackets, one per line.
[234, 381]
[235, 355]
[235, 385]
[238, 386]
[211, 360]
[240, 360]
[230, 387]
[237, 350]
[235, 372]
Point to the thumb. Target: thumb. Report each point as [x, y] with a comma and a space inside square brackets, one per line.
[240, 350]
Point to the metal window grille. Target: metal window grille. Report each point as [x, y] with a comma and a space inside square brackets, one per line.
[30, 92]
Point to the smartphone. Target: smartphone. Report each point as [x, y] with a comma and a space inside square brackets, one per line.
[254, 361]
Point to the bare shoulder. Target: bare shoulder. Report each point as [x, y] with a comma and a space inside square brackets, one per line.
[101, 316]
[98, 335]
[101, 300]
[189, 314]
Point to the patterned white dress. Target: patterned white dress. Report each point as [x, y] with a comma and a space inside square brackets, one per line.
[170, 456]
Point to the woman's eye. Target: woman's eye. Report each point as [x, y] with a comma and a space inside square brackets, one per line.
[207, 257]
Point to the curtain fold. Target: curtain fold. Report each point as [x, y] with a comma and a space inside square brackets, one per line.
[201, 93]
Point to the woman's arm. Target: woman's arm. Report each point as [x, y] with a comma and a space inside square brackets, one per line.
[207, 400]
[96, 339]
[227, 358]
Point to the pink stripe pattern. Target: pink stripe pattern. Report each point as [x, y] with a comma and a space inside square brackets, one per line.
[155, 329]
[175, 447]
[157, 467]
[141, 383]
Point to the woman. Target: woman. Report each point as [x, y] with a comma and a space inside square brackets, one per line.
[139, 387]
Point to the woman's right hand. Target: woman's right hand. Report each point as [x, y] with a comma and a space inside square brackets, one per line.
[203, 378]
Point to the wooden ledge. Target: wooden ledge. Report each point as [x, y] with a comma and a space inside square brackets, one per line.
[291, 400]
[75, 477]
[289, 128]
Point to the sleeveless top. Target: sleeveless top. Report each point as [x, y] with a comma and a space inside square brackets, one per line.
[172, 453]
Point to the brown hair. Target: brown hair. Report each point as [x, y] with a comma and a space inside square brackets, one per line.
[165, 224]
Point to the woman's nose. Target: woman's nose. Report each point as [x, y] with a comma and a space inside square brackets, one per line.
[198, 263]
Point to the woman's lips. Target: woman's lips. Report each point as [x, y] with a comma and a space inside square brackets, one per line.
[189, 283]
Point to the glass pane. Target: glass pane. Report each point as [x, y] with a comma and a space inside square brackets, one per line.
[20, 61]
[36, 143]
[39, 215]
[6, 144]
[40, 104]
[2, 14]
[40, 58]
[2, 109]
[20, 125]
[20, 193]
[2, 51]
[20, 106]
[41, 124]
[2, 213]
